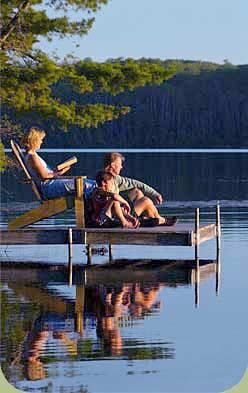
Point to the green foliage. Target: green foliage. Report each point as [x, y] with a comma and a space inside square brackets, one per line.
[3, 158]
[28, 75]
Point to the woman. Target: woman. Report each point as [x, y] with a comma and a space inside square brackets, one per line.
[47, 180]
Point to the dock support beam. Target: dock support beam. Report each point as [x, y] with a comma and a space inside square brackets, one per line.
[197, 233]
[110, 253]
[89, 254]
[70, 255]
[218, 248]
[197, 269]
[218, 228]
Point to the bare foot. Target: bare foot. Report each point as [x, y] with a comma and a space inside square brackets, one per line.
[134, 221]
[161, 220]
[128, 225]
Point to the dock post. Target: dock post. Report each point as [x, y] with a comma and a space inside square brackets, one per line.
[197, 268]
[217, 272]
[197, 233]
[218, 248]
[110, 253]
[70, 255]
[218, 228]
[89, 254]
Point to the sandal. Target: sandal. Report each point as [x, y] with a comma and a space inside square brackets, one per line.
[148, 222]
[169, 221]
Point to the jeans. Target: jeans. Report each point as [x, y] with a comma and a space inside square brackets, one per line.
[56, 188]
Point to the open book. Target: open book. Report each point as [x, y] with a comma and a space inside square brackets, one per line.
[71, 161]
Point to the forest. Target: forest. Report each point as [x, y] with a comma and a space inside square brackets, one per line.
[203, 105]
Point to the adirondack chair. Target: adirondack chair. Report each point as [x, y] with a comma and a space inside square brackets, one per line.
[51, 207]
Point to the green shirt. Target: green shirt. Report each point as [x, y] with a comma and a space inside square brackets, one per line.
[125, 183]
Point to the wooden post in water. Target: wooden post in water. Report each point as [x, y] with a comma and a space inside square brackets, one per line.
[70, 255]
[89, 254]
[197, 268]
[217, 272]
[218, 247]
[110, 253]
[197, 232]
[218, 228]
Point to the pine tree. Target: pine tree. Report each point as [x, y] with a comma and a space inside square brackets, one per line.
[28, 75]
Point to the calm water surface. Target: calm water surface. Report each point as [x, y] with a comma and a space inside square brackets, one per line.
[134, 329]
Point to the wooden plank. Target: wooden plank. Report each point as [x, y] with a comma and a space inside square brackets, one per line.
[45, 210]
[141, 236]
[60, 236]
[34, 237]
[138, 238]
[20, 158]
[208, 232]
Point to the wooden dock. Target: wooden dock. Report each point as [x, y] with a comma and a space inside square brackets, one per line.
[181, 234]
[178, 235]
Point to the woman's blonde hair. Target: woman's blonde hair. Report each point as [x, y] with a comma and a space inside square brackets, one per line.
[32, 138]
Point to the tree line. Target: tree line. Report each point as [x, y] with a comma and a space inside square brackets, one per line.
[202, 105]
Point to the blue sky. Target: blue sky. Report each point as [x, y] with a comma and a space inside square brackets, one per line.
[211, 30]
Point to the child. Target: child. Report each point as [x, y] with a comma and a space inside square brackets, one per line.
[108, 209]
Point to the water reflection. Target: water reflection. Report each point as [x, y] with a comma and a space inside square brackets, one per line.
[46, 322]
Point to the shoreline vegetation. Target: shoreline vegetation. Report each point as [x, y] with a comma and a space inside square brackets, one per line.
[204, 105]
[120, 102]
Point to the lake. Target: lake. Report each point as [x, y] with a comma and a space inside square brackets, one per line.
[132, 329]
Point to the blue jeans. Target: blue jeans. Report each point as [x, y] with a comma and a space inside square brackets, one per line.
[56, 188]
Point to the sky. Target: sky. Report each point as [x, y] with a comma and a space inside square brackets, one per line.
[206, 30]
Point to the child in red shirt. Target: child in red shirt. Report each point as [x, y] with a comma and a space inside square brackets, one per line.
[108, 209]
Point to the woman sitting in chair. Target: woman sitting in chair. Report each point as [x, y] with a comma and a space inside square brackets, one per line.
[47, 180]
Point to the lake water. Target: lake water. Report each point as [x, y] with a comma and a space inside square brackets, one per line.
[132, 329]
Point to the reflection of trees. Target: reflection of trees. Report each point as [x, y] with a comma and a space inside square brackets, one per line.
[16, 321]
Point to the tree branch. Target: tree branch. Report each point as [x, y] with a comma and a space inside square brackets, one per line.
[7, 30]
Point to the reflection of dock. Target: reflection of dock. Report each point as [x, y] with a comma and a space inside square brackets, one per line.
[168, 272]
[174, 272]
[107, 298]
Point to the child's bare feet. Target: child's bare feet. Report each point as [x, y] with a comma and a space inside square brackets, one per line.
[134, 221]
[129, 225]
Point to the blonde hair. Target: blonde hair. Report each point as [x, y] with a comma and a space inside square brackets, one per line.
[32, 138]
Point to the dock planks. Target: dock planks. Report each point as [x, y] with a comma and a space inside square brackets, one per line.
[182, 234]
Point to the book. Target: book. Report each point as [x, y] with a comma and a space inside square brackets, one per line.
[71, 161]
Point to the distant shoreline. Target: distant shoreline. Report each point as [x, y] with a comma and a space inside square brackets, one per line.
[140, 150]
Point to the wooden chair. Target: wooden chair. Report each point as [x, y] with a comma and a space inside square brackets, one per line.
[51, 207]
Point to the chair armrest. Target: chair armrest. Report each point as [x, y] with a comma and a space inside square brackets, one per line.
[79, 201]
[71, 177]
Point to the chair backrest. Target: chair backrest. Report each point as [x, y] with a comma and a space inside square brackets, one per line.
[20, 158]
